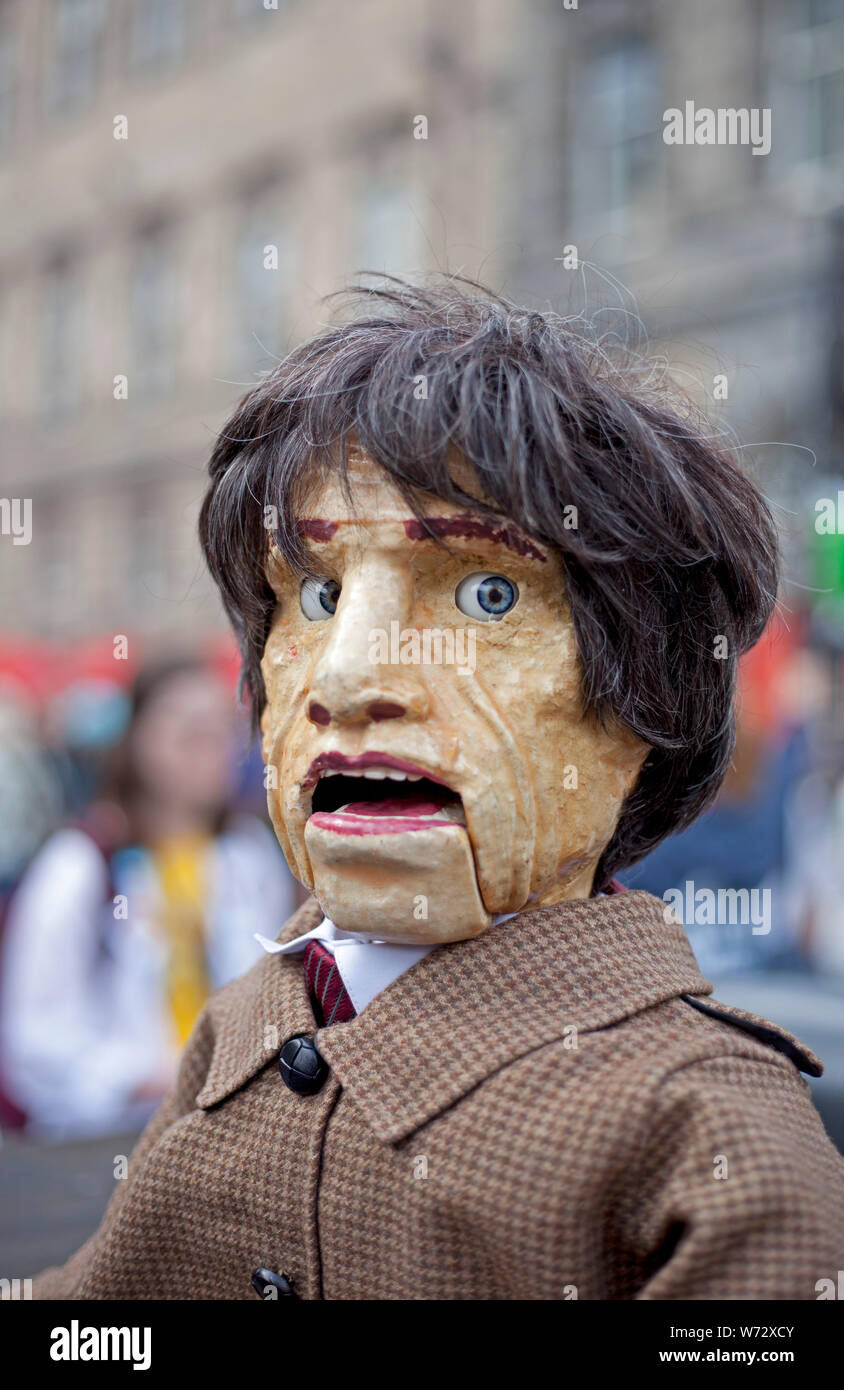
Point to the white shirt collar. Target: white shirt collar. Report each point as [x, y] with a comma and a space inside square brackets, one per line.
[367, 965]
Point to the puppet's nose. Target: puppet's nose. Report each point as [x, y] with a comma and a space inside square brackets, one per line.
[360, 677]
[349, 697]
[377, 710]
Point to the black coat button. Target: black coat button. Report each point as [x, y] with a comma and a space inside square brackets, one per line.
[301, 1066]
[270, 1286]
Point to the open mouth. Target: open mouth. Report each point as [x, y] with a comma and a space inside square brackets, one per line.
[367, 796]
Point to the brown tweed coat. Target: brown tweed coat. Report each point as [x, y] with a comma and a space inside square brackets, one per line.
[537, 1113]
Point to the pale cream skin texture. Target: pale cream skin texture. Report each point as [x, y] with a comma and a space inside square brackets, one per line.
[541, 783]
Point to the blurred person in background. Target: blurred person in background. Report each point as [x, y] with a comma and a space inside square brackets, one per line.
[82, 726]
[125, 922]
[815, 882]
[744, 842]
[737, 845]
[30, 791]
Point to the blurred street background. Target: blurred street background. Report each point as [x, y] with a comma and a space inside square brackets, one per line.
[181, 183]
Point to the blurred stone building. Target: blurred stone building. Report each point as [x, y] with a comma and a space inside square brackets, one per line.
[272, 149]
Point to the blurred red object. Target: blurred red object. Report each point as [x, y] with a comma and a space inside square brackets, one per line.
[772, 676]
[35, 672]
[27, 669]
[224, 658]
[96, 659]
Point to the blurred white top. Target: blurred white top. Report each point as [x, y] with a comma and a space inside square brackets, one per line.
[84, 1017]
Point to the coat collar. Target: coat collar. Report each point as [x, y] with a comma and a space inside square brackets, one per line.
[464, 1011]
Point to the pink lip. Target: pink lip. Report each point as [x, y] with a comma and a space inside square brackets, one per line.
[336, 762]
[374, 825]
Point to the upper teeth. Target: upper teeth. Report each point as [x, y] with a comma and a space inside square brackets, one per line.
[376, 773]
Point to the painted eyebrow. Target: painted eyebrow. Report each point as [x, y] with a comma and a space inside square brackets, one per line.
[314, 529]
[466, 526]
[473, 528]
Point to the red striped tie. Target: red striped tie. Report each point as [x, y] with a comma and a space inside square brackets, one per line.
[329, 997]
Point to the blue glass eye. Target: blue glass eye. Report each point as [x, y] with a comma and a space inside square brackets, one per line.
[318, 599]
[486, 597]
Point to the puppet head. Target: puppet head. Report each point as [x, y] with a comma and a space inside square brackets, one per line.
[490, 593]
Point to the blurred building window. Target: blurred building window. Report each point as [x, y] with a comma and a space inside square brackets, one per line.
[263, 281]
[389, 231]
[146, 560]
[59, 579]
[806, 41]
[152, 318]
[62, 350]
[824, 78]
[823, 11]
[158, 35]
[76, 50]
[617, 123]
[9, 66]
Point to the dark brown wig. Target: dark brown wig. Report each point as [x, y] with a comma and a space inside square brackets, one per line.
[671, 568]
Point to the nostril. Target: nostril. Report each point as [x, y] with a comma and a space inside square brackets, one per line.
[318, 714]
[383, 709]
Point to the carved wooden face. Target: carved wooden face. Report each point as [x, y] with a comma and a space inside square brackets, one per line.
[430, 760]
